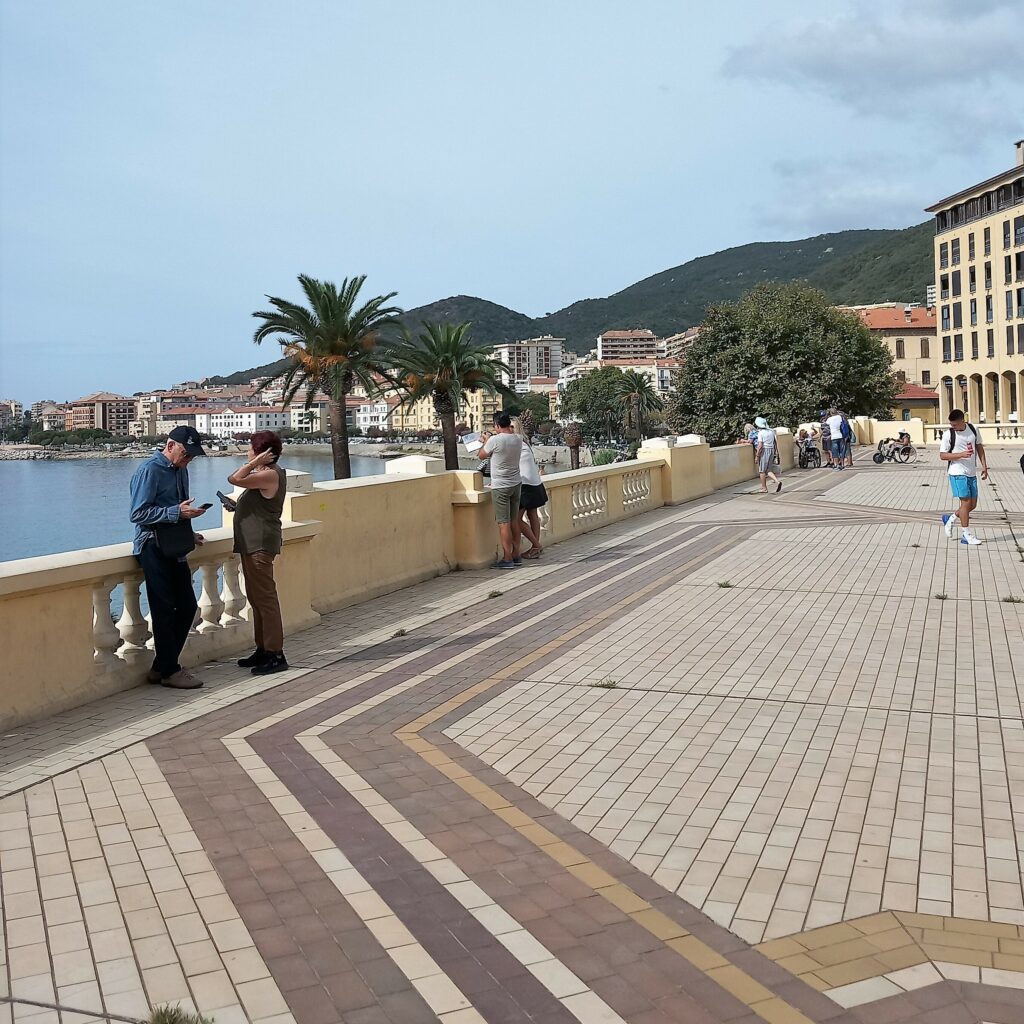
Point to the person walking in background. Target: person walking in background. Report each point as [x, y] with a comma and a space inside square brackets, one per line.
[849, 439]
[257, 530]
[835, 430]
[532, 496]
[504, 449]
[765, 454]
[162, 513]
[962, 451]
[826, 441]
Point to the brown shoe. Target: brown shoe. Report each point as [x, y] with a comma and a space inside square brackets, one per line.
[182, 680]
[152, 676]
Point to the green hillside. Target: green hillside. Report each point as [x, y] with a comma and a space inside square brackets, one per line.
[848, 266]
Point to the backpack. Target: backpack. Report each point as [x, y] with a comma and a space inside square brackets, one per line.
[844, 429]
[952, 436]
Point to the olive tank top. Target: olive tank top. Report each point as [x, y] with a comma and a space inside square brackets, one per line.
[257, 521]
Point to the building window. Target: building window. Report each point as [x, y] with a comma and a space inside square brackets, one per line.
[1018, 230]
[974, 344]
[925, 348]
[988, 274]
[946, 350]
[1009, 305]
[989, 309]
[944, 286]
[926, 376]
[956, 283]
[990, 343]
[958, 315]
[901, 376]
[1006, 234]
[972, 279]
[954, 246]
[974, 312]
[906, 414]
[970, 243]
[1009, 340]
[958, 348]
[1007, 270]
[899, 349]
[945, 318]
[1020, 339]
[988, 241]
[943, 254]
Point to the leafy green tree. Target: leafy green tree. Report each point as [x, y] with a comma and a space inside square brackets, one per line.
[638, 398]
[783, 352]
[444, 363]
[533, 402]
[332, 345]
[593, 400]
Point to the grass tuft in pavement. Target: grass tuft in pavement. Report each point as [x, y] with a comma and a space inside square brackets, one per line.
[941, 597]
[176, 1015]
[606, 684]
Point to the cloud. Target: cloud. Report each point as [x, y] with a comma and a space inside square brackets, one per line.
[902, 62]
[820, 196]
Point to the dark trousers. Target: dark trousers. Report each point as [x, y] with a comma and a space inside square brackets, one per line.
[172, 604]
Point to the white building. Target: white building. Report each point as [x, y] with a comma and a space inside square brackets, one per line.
[314, 420]
[534, 357]
[633, 344]
[242, 420]
[374, 412]
[11, 412]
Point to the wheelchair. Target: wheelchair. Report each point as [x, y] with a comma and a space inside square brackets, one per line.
[809, 455]
[895, 450]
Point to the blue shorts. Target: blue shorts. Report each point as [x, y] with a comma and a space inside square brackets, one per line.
[964, 486]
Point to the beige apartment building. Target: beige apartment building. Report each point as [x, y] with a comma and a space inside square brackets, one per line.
[979, 269]
[101, 410]
[634, 344]
[533, 357]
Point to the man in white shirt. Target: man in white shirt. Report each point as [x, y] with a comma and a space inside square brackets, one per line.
[504, 449]
[835, 429]
[962, 451]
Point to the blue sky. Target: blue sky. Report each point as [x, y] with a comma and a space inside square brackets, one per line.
[165, 165]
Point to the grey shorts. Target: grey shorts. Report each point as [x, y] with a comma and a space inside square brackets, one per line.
[506, 503]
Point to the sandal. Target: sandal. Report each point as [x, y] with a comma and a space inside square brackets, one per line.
[533, 553]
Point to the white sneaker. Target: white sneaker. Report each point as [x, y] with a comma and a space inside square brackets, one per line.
[969, 538]
[948, 522]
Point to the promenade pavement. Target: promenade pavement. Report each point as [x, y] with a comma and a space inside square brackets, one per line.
[751, 759]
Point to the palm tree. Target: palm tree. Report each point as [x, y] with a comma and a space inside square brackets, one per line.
[636, 393]
[444, 363]
[332, 346]
[572, 435]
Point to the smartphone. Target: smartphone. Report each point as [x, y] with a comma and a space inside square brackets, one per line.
[229, 503]
[209, 504]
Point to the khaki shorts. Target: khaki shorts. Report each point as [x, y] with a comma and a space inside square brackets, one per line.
[506, 503]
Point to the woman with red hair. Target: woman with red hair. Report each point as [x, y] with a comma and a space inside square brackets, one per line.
[257, 527]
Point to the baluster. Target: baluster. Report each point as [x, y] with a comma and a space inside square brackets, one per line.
[132, 626]
[211, 606]
[602, 495]
[234, 596]
[104, 634]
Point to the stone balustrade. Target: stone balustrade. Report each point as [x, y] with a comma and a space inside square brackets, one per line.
[345, 541]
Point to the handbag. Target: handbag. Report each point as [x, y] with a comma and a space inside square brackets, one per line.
[176, 540]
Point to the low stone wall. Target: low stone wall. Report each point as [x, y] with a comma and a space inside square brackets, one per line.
[345, 542]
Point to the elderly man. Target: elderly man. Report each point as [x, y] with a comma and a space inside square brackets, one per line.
[504, 449]
[162, 512]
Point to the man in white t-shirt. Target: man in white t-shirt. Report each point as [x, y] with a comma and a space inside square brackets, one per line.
[504, 449]
[962, 451]
[835, 430]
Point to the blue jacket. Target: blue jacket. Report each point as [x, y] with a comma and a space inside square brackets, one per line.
[157, 489]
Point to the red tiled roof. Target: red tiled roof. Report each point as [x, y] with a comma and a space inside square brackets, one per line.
[895, 318]
[912, 391]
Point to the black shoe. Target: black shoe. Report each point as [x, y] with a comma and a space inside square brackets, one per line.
[272, 663]
[256, 658]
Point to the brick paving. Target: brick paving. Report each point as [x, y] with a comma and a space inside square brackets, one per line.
[617, 792]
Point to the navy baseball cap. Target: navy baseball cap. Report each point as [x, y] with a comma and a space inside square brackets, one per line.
[187, 437]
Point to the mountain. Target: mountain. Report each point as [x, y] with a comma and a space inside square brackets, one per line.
[850, 267]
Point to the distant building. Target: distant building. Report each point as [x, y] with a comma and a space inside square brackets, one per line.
[634, 344]
[101, 411]
[909, 333]
[12, 412]
[242, 419]
[916, 402]
[677, 344]
[37, 408]
[534, 357]
[50, 415]
[979, 267]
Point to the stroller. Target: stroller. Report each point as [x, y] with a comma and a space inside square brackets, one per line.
[808, 454]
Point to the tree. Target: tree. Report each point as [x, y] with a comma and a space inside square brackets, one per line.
[783, 352]
[332, 345]
[593, 400]
[534, 402]
[444, 363]
[573, 438]
[638, 399]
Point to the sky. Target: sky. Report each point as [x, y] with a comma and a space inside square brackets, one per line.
[164, 166]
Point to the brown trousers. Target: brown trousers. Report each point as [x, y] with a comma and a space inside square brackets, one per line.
[258, 570]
